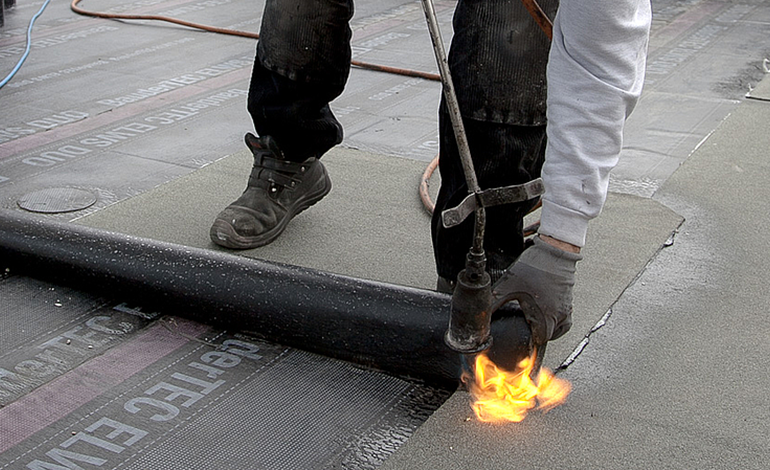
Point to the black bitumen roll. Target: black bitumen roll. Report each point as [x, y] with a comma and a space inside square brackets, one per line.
[392, 328]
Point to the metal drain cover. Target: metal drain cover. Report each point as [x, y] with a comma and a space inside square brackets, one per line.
[57, 200]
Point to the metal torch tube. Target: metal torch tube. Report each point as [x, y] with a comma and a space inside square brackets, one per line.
[387, 327]
[450, 96]
[453, 108]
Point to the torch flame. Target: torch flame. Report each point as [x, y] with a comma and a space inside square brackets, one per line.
[500, 395]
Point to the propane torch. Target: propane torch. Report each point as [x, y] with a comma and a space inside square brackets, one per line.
[470, 317]
[473, 301]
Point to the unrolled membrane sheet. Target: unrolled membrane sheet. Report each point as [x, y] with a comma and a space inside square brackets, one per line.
[91, 382]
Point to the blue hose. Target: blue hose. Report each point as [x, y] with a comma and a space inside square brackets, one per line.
[29, 44]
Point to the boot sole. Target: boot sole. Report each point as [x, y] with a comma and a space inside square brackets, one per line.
[223, 234]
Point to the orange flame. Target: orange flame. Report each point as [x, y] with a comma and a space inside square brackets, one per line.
[500, 395]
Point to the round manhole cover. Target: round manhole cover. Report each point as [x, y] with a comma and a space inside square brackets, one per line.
[57, 200]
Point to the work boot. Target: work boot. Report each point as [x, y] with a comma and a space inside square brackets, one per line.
[278, 189]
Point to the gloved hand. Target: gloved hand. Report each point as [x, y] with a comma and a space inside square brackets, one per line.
[541, 280]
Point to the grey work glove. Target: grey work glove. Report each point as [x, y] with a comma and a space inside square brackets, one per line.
[541, 280]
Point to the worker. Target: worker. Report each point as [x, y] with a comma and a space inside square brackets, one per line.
[511, 80]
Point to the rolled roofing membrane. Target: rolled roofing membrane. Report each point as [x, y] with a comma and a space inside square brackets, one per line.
[391, 328]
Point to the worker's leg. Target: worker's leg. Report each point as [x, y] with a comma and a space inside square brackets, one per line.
[518, 152]
[302, 64]
[497, 58]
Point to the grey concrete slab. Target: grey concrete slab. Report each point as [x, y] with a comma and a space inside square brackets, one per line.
[676, 378]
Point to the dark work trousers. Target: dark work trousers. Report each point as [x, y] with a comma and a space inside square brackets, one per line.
[497, 58]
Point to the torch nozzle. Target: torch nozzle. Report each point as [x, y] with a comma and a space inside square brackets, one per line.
[470, 312]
